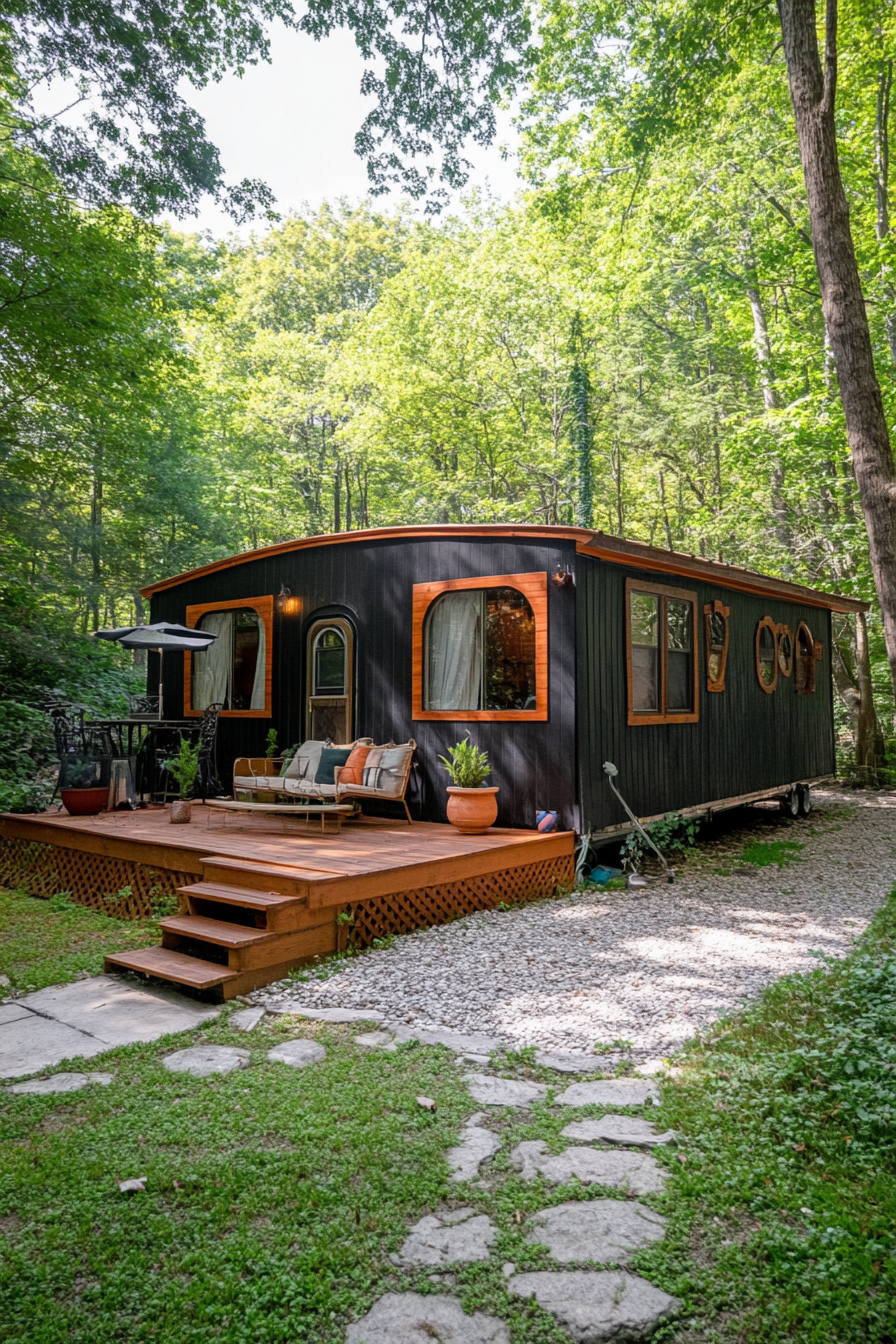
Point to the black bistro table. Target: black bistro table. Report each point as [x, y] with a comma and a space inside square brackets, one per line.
[142, 741]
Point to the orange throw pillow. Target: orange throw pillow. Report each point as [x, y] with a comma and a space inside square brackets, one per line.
[353, 770]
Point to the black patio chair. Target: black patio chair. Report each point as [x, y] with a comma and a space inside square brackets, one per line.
[207, 781]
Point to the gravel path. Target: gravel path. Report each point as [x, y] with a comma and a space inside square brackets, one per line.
[648, 967]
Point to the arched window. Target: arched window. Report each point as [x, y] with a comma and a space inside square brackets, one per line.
[785, 650]
[330, 665]
[236, 670]
[804, 678]
[480, 648]
[767, 654]
[715, 626]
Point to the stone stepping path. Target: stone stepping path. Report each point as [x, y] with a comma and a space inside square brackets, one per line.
[409, 1318]
[245, 1019]
[375, 1040]
[61, 1082]
[610, 1092]
[448, 1239]
[596, 1305]
[569, 1063]
[592, 1166]
[327, 1014]
[298, 1054]
[201, 1061]
[476, 1144]
[491, 1091]
[627, 1129]
[605, 1230]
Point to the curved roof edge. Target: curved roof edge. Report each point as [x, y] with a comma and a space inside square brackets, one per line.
[617, 550]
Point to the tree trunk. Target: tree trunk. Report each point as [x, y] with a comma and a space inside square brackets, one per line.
[869, 738]
[812, 91]
[882, 191]
[771, 401]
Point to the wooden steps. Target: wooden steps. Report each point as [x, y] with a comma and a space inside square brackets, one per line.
[167, 965]
[247, 924]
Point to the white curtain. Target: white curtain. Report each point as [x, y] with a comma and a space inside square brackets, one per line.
[257, 701]
[454, 661]
[213, 669]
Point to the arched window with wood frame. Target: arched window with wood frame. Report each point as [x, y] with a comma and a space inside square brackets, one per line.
[715, 628]
[785, 650]
[767, 654]
[329, 677]
[804, 671]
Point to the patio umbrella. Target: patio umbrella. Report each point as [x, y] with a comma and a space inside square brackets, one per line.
[159, 637]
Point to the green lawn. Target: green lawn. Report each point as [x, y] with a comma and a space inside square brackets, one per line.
[46, 942]
[274, 1196]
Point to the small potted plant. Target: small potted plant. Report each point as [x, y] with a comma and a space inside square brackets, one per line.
[184, 767]
[472, 806]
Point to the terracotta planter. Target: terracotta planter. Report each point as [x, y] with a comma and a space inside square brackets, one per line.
[84, 802]
[180, 812]
[472, 811]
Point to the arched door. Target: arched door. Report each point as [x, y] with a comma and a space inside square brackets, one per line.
[329, 663]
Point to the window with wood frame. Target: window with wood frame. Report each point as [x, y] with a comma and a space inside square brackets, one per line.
[661, 653]
[715, 629]
[480, 648]
[330, 671]
[767, 654]
[236, 670]
[804, 664]
[785, 650]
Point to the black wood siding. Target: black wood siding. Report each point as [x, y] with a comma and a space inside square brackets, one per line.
[745, 740]
[371, 582]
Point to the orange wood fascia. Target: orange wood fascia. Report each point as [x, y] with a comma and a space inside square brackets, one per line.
[423, 531]
[725, 576]
[265, 608]
[409, 877]
[640, 720]
[534, 588]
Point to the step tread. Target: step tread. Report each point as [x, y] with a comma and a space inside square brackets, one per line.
[168, 965]
[215, 930]
[247, 896]
[299, 872]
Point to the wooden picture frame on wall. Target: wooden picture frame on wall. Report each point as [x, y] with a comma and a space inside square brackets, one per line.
[264, 606]
[534, 588]
[716, 650]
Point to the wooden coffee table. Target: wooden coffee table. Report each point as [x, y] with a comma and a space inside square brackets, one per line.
[297, 811]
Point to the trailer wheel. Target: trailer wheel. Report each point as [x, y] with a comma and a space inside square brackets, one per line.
[805, 798]
[790, 803]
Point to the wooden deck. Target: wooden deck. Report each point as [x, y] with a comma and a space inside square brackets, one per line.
[381, 877]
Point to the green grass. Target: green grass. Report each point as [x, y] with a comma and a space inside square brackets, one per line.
[46, 942]
[275, 1196]
[762, 854]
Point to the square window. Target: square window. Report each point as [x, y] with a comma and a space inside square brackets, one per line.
[661, 653]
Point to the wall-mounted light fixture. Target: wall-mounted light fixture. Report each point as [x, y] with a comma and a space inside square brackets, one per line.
[287, 605]
[563, 577]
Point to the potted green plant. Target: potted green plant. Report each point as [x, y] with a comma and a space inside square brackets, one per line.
[184, 767]
[472, 805]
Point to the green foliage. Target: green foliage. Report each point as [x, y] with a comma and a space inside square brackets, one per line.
[50, 942]
[672, 834]
[184, 767]
[271, 743]
[468, 767]
[764, 853]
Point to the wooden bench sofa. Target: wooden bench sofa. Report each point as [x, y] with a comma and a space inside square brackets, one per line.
[371, 771]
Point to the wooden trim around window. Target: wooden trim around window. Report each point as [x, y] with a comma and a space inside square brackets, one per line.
[265, 608]
[781, 632]
[637, 718]
[809, 688]
[534, 587]
[716, 608]
[767, 624]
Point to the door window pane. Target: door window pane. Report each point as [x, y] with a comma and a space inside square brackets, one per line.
[329, 663]
[645, 651]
